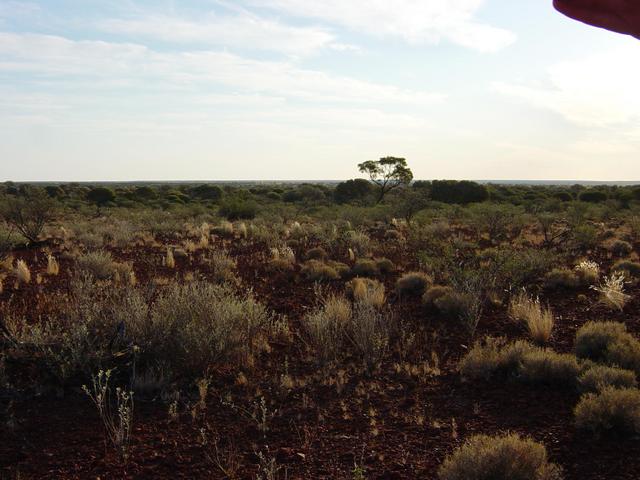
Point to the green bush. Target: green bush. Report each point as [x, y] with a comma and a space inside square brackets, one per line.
[629, 268]
[365, 267]
[592, 196]
[506, 457]
[611, 411]
[620, 248]
[610, 343]
[561, 278]
[599, 377]
[385, 265]
[548, 367]
[236, 209]
[316, 271]
[434, 293]
[197, 325]
[413, 284]
[519, 361]
[317, 253]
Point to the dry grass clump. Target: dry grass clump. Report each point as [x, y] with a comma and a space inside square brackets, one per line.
[599, 377]
[358, 241]
[285, 253]
[519, 361]
[22, 272]
[588, 272]
[413, 284]
[169, 260]
[368, 332]
[337, 324]
[53, 268]
[609, 343]
[611, 291]
[629, 268]
[99, 264]
[243, 231]
[366, 290]
[224, 229]
[506, 457]
[538, 320]
[223, 267]
[611, 411]
[316, 271]
[365, 267]
[325, 328]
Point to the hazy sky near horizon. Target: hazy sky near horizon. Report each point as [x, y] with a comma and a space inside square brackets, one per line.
[306, 89]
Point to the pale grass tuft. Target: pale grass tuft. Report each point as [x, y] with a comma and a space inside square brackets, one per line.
[611, 291]
[169, 260]
[22, 272]
[242, 230]
[284, 252]
[118, 421]
[53, 268]
[538, 320]
[588, 271]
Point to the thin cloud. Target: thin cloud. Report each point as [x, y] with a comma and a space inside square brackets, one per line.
[241, 31]
[128, 65]
[598, 91]
[414, 21]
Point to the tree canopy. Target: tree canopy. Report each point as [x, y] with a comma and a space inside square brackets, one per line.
[388, 173]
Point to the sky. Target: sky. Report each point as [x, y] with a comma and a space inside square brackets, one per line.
[307, 89]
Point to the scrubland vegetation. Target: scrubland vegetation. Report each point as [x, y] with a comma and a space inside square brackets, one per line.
[371, 329]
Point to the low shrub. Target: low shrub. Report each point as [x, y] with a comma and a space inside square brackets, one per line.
[548, 367]
[610, 343]
[317, 253]
[413, 284]
[385, 265]
[599, 377]
[506, 457]
[342, 268]
[451, 302]
[629, 268]
[316, 271]
[519, 361]
[620, 248]
[365, 267]
[611, 411]
[434, 293]
[196, 325]
[561, 278]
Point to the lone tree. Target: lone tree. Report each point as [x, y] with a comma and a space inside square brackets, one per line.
[28, 213]
[388, 173]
